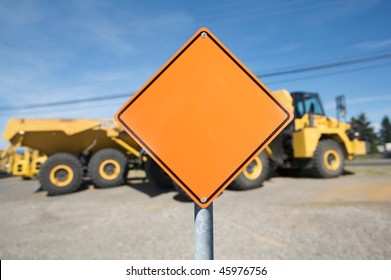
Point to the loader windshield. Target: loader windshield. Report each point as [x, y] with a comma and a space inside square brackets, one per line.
[306, 103]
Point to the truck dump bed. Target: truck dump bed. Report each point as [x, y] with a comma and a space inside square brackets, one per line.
[73, 136]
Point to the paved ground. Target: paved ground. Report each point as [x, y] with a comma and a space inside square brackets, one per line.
[370, 162]
[288, 218]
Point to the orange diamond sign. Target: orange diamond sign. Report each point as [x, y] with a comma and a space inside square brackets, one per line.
[203, 117]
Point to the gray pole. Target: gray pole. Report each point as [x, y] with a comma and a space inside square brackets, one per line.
[203, 224]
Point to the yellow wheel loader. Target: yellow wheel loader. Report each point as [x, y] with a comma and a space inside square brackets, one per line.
[24, 161]
[312, 141]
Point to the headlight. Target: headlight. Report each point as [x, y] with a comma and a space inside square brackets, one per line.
[353, 134]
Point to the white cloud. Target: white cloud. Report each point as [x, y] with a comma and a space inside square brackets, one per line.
[375, 44]
[166, 23]
[357, 6]
[19, 12]
[52, 69]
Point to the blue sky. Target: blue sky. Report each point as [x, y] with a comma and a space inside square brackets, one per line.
[54, 51]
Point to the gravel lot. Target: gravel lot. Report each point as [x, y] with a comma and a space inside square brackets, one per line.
[287, 218]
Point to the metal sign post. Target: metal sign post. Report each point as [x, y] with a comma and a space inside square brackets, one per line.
[203, 227]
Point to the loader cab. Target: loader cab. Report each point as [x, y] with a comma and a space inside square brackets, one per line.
[307, 103]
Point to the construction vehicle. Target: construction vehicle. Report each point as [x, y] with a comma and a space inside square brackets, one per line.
[100, 149]
[24, 161]
[311, 141]
[76, 148]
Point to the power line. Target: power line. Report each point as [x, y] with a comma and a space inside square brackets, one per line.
[66, 102]
[331, 73]
[270, 74]
[48, 111]
[76, 85]
[326, 66]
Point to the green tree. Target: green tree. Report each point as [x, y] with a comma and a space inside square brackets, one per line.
[385, 131]
[363, 126]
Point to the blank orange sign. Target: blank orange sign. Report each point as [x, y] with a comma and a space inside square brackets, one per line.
[203, 117]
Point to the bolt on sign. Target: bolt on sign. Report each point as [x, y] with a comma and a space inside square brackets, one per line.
[203, 117]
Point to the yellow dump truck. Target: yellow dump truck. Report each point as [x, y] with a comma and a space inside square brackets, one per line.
[75, 148]
[312, 141]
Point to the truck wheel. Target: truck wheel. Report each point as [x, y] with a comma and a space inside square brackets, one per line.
[108, 168]
[328, 159]
[157, 175]
[253, 175]
[62, 173]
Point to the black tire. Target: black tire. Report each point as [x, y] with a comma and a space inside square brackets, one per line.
[328, 160]
[157, 175]
[108, 168]
[289, 172]
[62, 173]
[253, 175]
